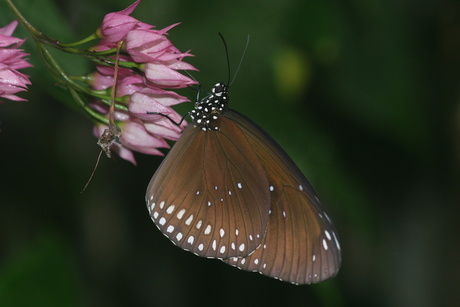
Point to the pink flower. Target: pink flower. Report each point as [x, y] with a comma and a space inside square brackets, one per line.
[116, 25]
[145, 91]
[11, 59]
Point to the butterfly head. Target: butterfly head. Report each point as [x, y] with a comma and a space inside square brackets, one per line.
[208, 110]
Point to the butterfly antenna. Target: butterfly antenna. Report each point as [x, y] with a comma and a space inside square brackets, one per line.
[241, 59]
[228, 57]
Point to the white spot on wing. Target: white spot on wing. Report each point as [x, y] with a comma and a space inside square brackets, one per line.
[179, 236]
[240, 185]
[336, 241]
[200, 247]
[170, 228]
[162, 221]
[241, 248]
[272, 188]
[222, 232]
[170, 209]
[198, 225]
[214, 245]
[207, 230]
[162, 204]
[328, 236]
[155, 215]
[180, 214]
[325, 245]
[191, 239]
[189, 220]
[222, 249]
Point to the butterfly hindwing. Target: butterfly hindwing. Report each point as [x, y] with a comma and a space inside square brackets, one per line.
[301, 243]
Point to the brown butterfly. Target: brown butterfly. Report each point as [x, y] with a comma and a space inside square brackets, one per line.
[227, 190]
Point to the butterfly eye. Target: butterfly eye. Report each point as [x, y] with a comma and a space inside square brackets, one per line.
[227, 190]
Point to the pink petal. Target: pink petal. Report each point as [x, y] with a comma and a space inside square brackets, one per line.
[140, 104]
[129, 85]
[166, 98]
[13, 77]
[135, 137]
[9, 40]
[12, 97]
[130, 8]
[104, 109]
[99, 81]
[170, 55]
[13, 58]
[145, 46]
[164, 30]
[179, 65]
[163, 76]
[162, 131]
[9, 29]
[12, 82]
[124, 153]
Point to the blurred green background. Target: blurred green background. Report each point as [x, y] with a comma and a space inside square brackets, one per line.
[364, 95]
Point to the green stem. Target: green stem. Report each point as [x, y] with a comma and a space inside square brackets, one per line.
[61, 76]
[81, 42]
[37, 35]
[57, 69]
[40, 37]
[98, 116]
[29, 27]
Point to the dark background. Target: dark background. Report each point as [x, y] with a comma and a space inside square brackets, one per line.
[364, 95]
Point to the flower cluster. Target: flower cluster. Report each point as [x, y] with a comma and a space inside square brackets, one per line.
[12, 59]
[145, 89]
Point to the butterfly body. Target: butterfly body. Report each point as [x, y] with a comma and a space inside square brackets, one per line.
[227, 190]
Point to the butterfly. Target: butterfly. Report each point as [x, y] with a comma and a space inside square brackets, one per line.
[227, 190]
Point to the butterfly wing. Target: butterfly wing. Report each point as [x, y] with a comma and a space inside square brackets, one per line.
[200, 198]
[301, 243]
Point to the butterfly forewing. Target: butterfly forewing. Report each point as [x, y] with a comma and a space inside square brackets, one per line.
[200, 196]
[301, 243]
